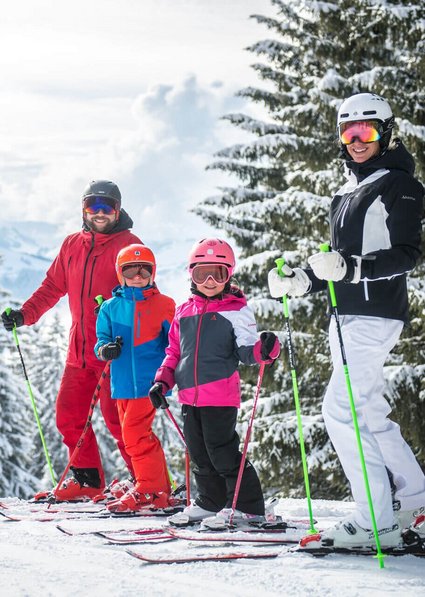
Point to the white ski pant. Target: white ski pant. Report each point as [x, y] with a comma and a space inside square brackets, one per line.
[367, 343]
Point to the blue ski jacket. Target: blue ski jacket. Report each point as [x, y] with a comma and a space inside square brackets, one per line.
[142, 317]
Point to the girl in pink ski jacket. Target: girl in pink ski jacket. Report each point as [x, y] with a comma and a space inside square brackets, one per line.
[210, 335]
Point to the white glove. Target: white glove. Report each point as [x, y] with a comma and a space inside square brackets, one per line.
[328, 266]
[295, 282]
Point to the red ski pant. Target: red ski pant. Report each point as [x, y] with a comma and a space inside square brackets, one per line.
[144, 448]
[72, 409]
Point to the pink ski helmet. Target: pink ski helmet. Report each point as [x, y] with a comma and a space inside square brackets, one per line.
[212, 250]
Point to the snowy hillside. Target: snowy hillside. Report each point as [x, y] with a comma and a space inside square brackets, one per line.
[26, 251]
[38, 559]
[28, 248]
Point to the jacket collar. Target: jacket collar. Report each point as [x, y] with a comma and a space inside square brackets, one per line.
[138, 294]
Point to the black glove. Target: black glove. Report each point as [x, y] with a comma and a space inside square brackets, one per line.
[11, 319]
[112, 350]
[157, 397]
[270, 347]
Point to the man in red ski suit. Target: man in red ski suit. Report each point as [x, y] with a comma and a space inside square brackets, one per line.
[83, 269]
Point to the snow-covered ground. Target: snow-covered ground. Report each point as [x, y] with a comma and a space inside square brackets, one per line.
[38, 559]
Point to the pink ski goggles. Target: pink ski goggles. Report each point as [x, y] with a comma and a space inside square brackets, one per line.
[366, 131]
[217, 271]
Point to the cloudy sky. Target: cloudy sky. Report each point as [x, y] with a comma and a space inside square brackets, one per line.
[129, 90]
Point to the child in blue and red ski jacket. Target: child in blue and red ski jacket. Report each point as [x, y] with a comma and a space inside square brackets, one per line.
[210, 334]
[132, 330]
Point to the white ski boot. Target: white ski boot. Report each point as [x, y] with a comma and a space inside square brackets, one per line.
[227, 519]
[190, 515]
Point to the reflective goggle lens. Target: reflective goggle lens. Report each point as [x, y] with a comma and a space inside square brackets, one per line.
[365, 131]
[137, 269]
[93, 205]
[219, 273]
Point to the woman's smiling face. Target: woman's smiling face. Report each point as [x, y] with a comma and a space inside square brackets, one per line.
[362, 152]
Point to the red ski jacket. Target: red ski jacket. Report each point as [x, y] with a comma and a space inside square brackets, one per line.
[84, 268]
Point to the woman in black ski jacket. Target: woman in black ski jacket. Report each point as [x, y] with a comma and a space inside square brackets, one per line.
[375, 222]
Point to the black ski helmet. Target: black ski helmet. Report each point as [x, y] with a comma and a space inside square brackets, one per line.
[103, 188]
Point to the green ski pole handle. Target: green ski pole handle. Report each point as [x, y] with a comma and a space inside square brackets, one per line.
[34, 407]
[98, 300]
[280, 262]
[380, 556]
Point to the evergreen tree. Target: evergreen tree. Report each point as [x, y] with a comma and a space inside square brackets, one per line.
[320, 53]
[47, 356]
[16, 478]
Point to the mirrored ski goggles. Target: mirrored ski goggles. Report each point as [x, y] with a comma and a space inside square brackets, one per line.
[93, 205]
[130, 271]
[218, 272]
[365, 131]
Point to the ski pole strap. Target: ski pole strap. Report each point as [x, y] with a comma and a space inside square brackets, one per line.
[324, 247]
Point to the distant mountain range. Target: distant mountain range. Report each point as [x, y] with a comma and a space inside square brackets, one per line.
[26, 251]
[28, 248]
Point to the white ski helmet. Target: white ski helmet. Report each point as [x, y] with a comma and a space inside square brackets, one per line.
[368, 106]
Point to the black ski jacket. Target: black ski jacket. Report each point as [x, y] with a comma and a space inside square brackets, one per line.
[377, 215]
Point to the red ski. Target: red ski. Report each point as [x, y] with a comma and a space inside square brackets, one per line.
[218, 557]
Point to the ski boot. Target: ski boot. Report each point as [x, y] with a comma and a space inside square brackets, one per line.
[84, 485]
[115, 490]
[190, 515]
[228, 518]
[135, 501]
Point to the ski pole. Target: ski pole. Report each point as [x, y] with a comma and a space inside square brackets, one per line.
[280, 263]
[87, 426]
[34, 407]
[246, 442]
[325, 248]
[187, 457]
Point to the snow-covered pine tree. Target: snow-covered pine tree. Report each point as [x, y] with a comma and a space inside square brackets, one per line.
[319, 54]
[47, 356]
[16, 421]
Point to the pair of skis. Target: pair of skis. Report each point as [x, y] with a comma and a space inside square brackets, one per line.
[254, 536]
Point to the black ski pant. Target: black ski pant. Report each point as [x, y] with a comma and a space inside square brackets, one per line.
[213, 445]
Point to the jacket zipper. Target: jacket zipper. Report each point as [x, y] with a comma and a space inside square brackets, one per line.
[83, 348]
[91, 276]
[340, 218]
[132, 343]
[198, 335]
[343, 212]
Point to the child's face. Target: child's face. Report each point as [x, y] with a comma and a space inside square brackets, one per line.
[210, 287]
[140, 275]
[210, 278]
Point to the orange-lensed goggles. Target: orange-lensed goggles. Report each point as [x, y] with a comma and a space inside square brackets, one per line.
[130, 271]
[218, 272]
[366, 131]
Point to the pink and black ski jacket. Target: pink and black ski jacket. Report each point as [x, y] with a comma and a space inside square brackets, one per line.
[208, 339]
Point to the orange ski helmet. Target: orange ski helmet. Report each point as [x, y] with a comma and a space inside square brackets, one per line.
[135, 254]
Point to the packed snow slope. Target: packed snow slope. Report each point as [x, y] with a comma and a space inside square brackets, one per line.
[38, 559]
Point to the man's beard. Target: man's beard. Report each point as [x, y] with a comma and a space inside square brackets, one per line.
[105, 229]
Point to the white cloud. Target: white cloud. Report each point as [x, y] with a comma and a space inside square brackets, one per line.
[127, 90]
